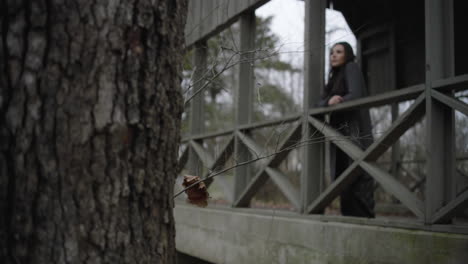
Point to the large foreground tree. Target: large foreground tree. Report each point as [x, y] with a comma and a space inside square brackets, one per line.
[89, 127]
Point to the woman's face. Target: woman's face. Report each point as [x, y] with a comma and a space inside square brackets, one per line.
[337, 56]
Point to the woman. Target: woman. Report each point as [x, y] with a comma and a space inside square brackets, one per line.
[345, 82]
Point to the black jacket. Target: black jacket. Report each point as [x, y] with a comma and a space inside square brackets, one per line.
[353, 123]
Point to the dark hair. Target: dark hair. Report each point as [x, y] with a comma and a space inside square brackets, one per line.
[348, 51]
[335, 85]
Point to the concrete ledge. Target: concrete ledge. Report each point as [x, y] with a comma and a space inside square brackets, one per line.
[233, 236]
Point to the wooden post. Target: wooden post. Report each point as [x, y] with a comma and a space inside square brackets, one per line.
[440, 132]
[395, 166]
[197, 106]
[244, 98]
[314, 46]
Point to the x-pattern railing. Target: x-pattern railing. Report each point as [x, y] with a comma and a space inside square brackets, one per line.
[364, 160]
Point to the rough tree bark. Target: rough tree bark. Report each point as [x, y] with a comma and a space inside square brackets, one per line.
[89, 125]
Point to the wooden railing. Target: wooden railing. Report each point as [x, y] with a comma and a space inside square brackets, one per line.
[364, 160]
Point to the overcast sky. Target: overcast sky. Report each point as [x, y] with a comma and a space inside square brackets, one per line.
[288, 24]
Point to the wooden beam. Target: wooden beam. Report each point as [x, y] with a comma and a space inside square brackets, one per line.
[256, 150]
[269, 123]
[285, 186]
[452, 208]
[343, 142]
[406, 120]
[209, 17]
[224, 155]
[203, 155]
[455, 84]
[244, 198]
[394, 187]
[243, 99]
[261, 177]
[403, 122]
[290, 142]
[312, 173]
[372, 101]
[440, 119]
[202, 136]
[197, 105]
[451, 102]
[256, 125]
[335, 188]
[393, 133]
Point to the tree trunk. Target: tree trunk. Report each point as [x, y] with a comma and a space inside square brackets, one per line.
[90, 110]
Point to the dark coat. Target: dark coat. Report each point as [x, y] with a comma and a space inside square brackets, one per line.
[357, 199]
[353, 123]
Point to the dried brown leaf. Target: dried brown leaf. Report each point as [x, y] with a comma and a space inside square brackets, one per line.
[197, 194]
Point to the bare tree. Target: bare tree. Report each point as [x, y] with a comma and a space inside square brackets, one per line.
[90, 108]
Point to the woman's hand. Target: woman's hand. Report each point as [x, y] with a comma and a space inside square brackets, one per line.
[336, 99]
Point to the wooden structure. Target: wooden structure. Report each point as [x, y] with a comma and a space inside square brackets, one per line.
[430, 48]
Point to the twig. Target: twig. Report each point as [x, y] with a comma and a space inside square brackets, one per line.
[227, 66]
[294, 146]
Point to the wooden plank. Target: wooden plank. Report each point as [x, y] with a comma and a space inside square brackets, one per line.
[197, 103]
[224, 155]
[372, 153]
[256, 150]
[261, 177]
[335, 188]
[209, 17]
[212, 164]
[452, 208]
[455, 84]
[280, 121]
[396, 155]
[197, 106]
[314, 48]
[406, 120]
[244, 93]
[400, 95]
[396, 150]
[440, 120]
[344, 143]
[285, 186]
[250, 126]
[394, 187]
[203, 155]
[290, 142]
[440, 165]
[245, 90]
[449, 38]
[391, 185]
[244, 198]
[208, 135]
[312, 173]
[327, 177]
[398, 128]
[451, 102]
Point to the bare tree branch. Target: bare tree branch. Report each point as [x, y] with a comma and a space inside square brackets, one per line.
[292, 147]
